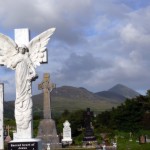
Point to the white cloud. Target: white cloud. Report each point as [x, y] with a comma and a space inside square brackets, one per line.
[130, 34]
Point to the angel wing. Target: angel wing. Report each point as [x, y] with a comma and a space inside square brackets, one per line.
[37, 46]
[8, 49]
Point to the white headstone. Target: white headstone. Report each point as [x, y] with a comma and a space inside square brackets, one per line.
[66, 133]
[1, 116]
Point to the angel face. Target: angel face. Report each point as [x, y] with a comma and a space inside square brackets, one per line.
[23, 49]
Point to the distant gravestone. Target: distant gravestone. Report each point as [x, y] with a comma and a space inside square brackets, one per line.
[48, 146]
[89, 138]
[8, 138]
[1, 116]
[130, 139]
[142, 139]
[66, 133]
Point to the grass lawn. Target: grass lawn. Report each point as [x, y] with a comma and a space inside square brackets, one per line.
[124, 144]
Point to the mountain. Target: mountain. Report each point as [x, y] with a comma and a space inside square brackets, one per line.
[111, 96]
[118, 92]
[124, 91]
[66, 97]
[73, 98]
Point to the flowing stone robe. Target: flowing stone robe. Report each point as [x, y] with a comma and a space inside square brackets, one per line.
[23, 104]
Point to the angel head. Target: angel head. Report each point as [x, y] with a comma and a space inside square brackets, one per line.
[23, 49]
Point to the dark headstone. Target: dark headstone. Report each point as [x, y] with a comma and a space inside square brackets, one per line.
[89, 137]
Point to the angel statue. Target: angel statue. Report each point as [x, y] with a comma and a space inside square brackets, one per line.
[23, 59]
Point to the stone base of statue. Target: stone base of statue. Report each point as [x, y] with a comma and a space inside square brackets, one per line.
[48, 134]
[27, 144]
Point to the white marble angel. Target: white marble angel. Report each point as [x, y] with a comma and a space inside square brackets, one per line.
[23, 59]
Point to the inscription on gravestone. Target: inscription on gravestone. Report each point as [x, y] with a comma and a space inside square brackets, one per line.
[23, 146]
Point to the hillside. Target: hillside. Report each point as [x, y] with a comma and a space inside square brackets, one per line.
[73, 98]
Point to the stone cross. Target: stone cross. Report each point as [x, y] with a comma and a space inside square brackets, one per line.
[1, 116]
[47, 87]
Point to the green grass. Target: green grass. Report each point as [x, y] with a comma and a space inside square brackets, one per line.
[124, 144]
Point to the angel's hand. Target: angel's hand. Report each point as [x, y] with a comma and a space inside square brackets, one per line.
[32, 75]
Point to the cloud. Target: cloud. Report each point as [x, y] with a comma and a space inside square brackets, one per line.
[79, 68]
[96, 44]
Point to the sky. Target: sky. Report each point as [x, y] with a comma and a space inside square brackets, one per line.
[97, 43]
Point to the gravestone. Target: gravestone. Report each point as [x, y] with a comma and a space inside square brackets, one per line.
[142, 139]
[1, 116]
[47, 128]
[130, 137]
[48, 146]
[23, 57]
[89, 138]
[67, 140]
[8, 138]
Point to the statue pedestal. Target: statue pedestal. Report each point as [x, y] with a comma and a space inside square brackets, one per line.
[47, 133]
[28, 144]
